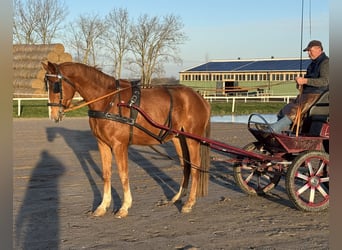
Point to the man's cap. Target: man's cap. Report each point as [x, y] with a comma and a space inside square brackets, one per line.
[313, 43]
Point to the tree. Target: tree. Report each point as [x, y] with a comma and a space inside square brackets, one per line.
[37, 21]
[117, 37]
[155, 42]
[85, 37]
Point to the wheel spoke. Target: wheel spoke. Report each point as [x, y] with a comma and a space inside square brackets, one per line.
[311, 172]
[321, 167]
[302, 176]
[312, 195]
[245, 167]
[322, 191]
[269, 178]
[249, 177]
[324, 179]
[303, 189]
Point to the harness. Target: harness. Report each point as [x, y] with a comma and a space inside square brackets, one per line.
[134, 100]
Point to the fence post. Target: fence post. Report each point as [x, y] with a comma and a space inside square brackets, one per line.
[19, 107]
[233, 104]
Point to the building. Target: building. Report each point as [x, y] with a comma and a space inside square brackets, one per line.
[253, 76]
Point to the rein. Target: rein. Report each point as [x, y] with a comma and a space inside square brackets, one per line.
[60, 77]
[95, 100]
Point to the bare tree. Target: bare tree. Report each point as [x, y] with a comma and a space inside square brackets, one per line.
[24, 23]
[37, 21]
[117, 37]
[154, 43]
[85, 37]
[51, 14]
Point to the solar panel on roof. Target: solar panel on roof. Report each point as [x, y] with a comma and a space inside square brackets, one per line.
[254, 65]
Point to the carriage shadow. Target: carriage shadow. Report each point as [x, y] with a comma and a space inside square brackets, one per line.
[38, 216]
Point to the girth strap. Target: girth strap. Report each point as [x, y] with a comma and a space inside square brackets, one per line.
[110, 116]
[122, 119]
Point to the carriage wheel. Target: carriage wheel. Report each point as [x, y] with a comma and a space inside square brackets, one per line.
[307, 181]
[253, 178]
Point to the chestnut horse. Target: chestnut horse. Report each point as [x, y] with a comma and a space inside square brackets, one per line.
[115, 128]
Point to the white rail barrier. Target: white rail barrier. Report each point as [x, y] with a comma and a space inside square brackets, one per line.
[20, 99]
[233, 99]
[209, 98]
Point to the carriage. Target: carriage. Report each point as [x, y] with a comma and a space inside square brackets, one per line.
[302, 159]
[122, 114]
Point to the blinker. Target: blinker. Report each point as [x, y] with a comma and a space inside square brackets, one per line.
[56, 87]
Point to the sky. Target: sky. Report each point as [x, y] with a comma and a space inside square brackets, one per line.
[229, 29]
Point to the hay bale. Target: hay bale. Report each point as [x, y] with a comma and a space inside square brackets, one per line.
[28, 72]
[65, 57]
[58, 48]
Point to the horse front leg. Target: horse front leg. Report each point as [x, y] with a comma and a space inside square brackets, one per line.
[106, 159]
[121, 156]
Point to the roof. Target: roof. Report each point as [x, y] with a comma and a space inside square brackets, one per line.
[252, 65]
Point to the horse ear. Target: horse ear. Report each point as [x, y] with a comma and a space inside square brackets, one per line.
[45, 66]
[49, 66]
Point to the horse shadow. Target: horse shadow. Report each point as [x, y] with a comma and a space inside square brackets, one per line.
[37, 222]
[168, 185]
[82, 143]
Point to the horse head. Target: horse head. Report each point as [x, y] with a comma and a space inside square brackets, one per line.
[60, 91]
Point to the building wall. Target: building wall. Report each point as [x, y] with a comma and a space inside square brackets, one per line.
[274, 83]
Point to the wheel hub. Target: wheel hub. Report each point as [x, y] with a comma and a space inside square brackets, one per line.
[314, 181]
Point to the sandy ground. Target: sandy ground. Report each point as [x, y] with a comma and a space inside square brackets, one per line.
[57, 183]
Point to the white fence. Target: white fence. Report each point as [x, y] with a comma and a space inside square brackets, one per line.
[20, 99]
[233, 99]
[227, 99]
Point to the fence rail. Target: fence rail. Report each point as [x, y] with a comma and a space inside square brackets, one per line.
[233, 99]
[227, 99]
[20, 99]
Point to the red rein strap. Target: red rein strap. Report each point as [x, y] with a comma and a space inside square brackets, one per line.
[95, 100]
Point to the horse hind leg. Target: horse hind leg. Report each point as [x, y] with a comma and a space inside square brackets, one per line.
[183, 154]
[195, 159]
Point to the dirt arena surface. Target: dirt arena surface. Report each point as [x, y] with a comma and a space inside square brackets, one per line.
[57, 183]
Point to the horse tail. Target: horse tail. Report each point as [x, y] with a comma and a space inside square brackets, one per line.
[203, 182]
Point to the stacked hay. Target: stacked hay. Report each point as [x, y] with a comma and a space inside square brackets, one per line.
[28, 79]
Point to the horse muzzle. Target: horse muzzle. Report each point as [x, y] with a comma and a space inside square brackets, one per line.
[56, 112]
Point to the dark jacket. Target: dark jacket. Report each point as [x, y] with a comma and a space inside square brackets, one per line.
[318, 75]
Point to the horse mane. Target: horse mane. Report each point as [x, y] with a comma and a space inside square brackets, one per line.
[96, 71]
[97, 67]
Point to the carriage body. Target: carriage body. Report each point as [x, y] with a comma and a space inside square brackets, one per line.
[302, 158]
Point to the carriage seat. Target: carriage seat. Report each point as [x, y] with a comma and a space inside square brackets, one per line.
[320, 109]
[317, 115]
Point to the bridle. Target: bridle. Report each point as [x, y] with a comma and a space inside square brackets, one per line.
[57, 88]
